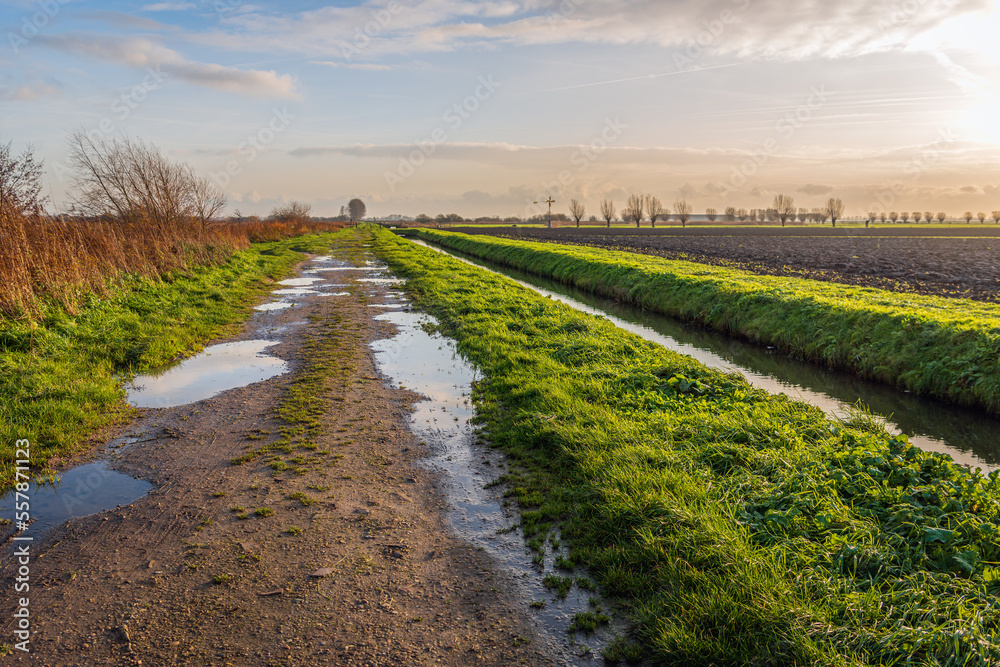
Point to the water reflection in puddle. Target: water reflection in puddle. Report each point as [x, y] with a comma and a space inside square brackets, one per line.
[430, 365]
[300, 282]
[277, 305]
[218, 368]
[78, 492]
[295, 291]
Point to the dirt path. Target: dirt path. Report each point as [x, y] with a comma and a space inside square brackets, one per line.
[181, 577]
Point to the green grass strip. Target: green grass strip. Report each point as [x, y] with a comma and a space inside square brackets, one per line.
[61, 380]
[733, 527]
[931, 346]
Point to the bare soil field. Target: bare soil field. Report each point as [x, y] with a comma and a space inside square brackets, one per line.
[956, 262]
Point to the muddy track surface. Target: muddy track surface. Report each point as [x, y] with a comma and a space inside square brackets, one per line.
[344, 558]
[960, 262]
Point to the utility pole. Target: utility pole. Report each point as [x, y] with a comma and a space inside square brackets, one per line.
[550, 201]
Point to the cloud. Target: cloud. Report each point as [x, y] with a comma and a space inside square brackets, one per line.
[30, 92]
[126, 21]
[368, 67]
[141, 53]
[815, 190]
[748, 29]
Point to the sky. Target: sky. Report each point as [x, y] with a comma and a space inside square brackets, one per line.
[482, 108]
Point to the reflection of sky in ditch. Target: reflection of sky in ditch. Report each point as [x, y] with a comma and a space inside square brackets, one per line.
[218, 368]
[80, 491]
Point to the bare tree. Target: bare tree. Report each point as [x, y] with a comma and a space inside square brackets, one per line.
[577, 210]
[730, 213]
[293, 211]
[742, 214]
[207, 200]
[133, 180]
[834, 210]
[904, 217]
[608, 211]
[803, 214]
[356, 209]
[784, 207]
[20, 181]
[982, 217]
[635, 210]
[711, 214]
[968, 216]
[871, 218]
[996, 217]
[894, 216]
[928, 217]
[682, 211]
[942, 216]
[654, 209]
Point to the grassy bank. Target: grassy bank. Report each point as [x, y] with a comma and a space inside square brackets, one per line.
[733, 527]
[61, 374]
[932, 346]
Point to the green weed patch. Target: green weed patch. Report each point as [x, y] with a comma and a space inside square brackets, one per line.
[932, 346]
[733, 527]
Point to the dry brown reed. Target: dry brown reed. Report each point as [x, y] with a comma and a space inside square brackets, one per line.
[61, 260]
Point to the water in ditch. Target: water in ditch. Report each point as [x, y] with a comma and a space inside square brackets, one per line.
[971, 437]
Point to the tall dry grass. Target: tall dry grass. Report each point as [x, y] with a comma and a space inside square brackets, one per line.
[61, 260]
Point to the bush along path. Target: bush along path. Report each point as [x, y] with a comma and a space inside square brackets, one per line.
[731, 526]
[931, 346]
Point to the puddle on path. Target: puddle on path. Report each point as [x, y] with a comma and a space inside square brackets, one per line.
[271, 307]
[300, 282]
[78, 492]
[218, 368]
[430, 365]
[295, 291]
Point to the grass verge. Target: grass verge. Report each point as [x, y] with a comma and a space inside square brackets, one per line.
[932, 346]
[61, 376]
[732, 526]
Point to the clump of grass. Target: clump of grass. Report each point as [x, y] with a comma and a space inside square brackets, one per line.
[303, 499]
[293, 530]
[558, 585]
[263, 511]
[220, 579]
[588, 621]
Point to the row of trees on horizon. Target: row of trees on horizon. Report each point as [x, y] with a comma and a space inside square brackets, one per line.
[648, 208]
